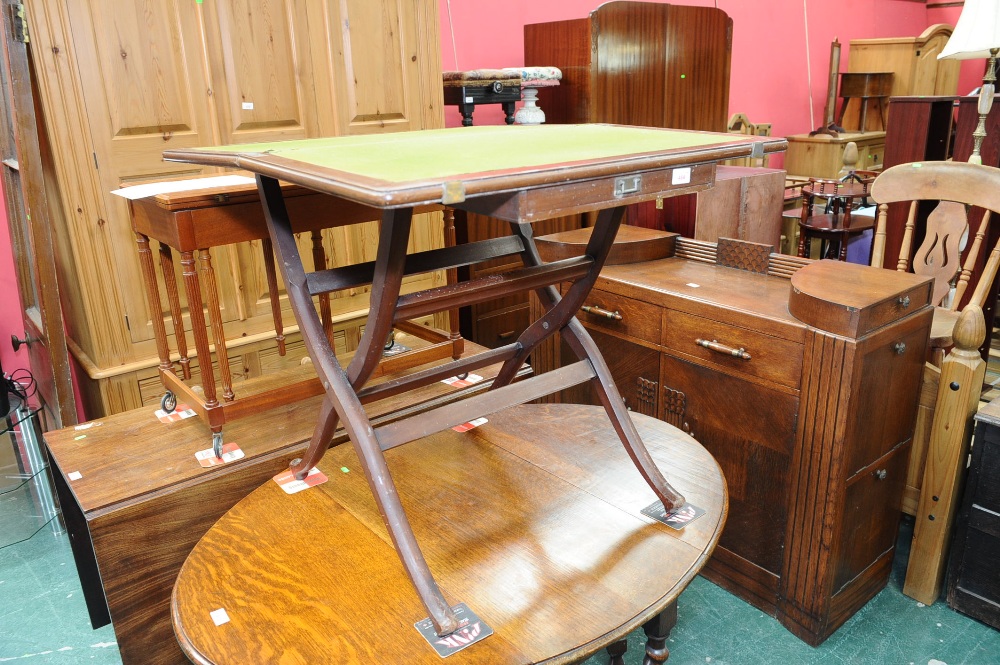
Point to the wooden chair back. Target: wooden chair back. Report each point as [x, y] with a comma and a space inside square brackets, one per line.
[957, 187]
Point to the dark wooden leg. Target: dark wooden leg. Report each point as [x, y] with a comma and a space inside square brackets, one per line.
[466, 110]
[272, 293]
[339, 389]
[803, 244]
[508, 112]
[319, 263]
[657, 632]
[582, 344]
[616, 652]
[394, 234]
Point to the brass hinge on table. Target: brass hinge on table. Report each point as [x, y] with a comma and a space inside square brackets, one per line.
[19, 22]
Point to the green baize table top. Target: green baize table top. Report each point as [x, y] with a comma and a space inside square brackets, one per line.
[412, 167]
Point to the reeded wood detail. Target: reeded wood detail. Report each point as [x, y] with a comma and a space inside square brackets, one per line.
[813, 506]
[173, 298]
[193, 287]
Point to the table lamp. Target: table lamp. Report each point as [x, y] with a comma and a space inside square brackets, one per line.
[977, 35]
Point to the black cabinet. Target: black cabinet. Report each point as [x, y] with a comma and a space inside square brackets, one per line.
[973, 572]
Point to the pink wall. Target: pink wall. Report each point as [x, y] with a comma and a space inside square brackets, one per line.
[770, 79]
[10, 306]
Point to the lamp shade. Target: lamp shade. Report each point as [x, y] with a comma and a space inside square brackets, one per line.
[978, 31]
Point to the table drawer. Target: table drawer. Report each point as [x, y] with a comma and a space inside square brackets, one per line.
[770, 358]
[624, 316]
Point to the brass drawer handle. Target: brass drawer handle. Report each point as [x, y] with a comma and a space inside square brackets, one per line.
[903, 301]
[597, 311]
[723, 349]
[506, 335]
[881, 474]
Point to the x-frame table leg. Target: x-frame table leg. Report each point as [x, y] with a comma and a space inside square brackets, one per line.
[561, 311]
[341, 397]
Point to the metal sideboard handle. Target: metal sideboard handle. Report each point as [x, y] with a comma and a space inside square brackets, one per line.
[598, 311]
[723, 349]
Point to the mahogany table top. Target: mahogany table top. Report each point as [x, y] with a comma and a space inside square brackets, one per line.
[550, 549]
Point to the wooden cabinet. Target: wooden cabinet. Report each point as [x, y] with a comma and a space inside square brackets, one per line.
[120, 82]
[912, 61]
[822, 156]
[973, 584]
[920, 129]
[810, 415]
[637, 63]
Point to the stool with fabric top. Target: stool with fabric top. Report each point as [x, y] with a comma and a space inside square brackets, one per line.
[482, 86]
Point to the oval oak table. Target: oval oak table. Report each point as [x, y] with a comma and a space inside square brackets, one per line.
[550, 549]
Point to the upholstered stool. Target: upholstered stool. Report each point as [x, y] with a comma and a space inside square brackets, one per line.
[482, 86]
[533, 78]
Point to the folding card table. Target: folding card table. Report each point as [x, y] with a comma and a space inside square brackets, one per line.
[520, 174]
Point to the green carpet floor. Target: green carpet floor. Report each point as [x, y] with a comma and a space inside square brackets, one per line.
[43, 618]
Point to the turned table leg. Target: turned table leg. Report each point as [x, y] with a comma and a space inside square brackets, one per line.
[319, 263]
[173, 298]
[189, 270]
[657, 631]
[215, 317]
[153, 296]
[616, 652]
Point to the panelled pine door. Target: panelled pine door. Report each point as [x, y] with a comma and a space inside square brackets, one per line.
[122, 80]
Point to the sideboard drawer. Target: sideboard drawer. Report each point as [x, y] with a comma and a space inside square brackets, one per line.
[628, 317]
[770, 358]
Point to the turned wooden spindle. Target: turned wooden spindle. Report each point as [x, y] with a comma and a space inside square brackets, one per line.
[272, 292]
[153, 295]
[189, 269]
[174, 300]
[319, 263]
[215, 317]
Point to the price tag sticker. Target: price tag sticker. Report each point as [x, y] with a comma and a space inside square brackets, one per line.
[219, 616]
[471, 629]
[180, 413]
[287, 481]
[680, 176]
[472, 424]
[230, 453]
[456, 382]
[678, 518]
[74, 475]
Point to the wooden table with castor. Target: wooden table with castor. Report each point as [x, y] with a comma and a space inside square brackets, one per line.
[551, 550]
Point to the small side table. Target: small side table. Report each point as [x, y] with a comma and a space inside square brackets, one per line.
[482, 86]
